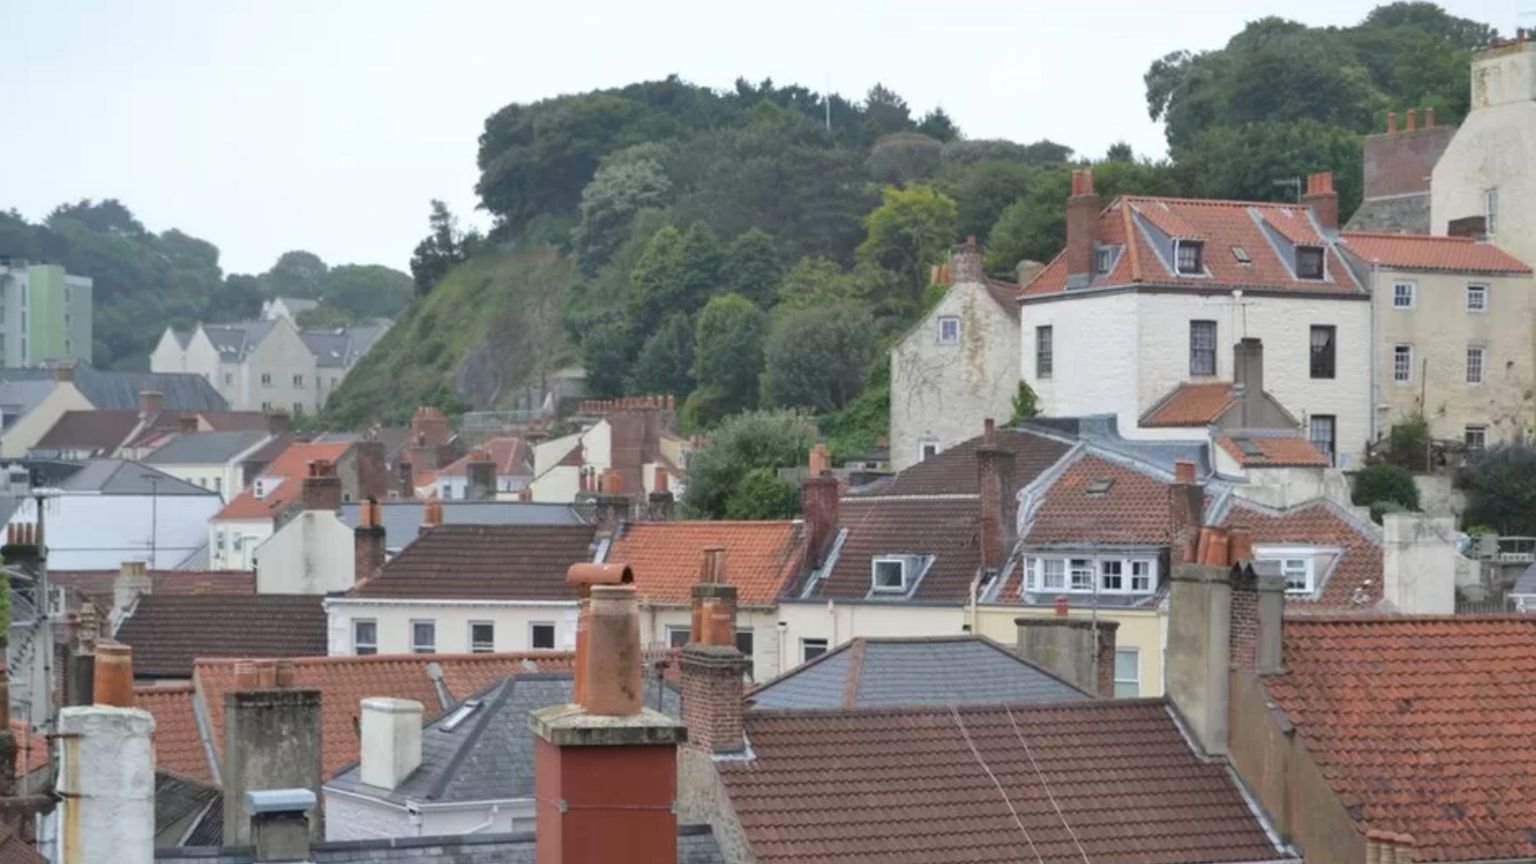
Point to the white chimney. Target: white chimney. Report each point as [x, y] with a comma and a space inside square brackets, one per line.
[106, 786]
[1419, 563]
[391, 731]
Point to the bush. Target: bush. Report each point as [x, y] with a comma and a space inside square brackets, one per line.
[1380, 509]
[1501, 490]
[757, 439]
[1409, 440]
[1382, 482]
[1026, 405]
[763, 494]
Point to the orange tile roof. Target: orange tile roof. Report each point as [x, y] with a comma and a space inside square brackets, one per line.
[1135, 509]
[760, 557]
[292, 464]
[1191, 405]
[178, 747]
[1319, 523]
[509, 454]
[1422, 725]
[344, 681]
[1276, 451]
[1425, 252]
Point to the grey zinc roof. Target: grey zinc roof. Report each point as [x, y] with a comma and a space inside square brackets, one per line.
[402, 519]
[122, 477]
[205, 448]
[489, 755]
[949, 670]
[1526, 584]
[695, 845]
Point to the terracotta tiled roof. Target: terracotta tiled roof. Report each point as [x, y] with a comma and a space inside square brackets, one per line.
[344, 682]
[1425, 252]
[1318, 524]
[168, 632]
[292, 464]
[1423, 726]
[760, 557]
[953, 472]
[511, 456]
[485, 562]
[983, 783]
[1134, 509]
[944, 528]
[1275, 451]
[178, 748]
[1220, 225]
[1191, 405]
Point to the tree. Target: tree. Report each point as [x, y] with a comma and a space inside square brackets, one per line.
[983, 190]
[742, 442]
[1120, 151]
[911, 229]
[108, 217]
[1251, 162]
[813, 282]
[903, 158]
[628, 181]
[444, 247]
[752, 267]
[763, 494]
[363, 292]
[728, 351]
[1501, 490]
[958, 154]
[818, 358]
[604, 356]
[937, 124]
[1026, 405]
[884, 113]
[1383, 481]
[665, 362]
[295, 274]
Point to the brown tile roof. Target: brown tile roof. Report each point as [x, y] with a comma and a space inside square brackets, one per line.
[167, 425]
[16, 850]
[100, 432]
[511, 455]
[344, 682]
[292, 464]
[97, 584]
[484, 562]
[1191, 405]
[1318, 523]
[178, 748]
[1005, 295]
[1134, 509]
[761, 558]
[1220, 225]
[1275, 451]
[984, 783]
[945, 528]
[1423, 726]
[168, 632]
[1424, 252]
[953, 472]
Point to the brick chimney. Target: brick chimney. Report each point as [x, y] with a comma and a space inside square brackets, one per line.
[280, 820]
[999, 499]
[1322, 198]
[661, 501]
[372, 470]
[278, 422]
[584, 577]
[819, 506]
[429, 427]
[965, 263]
[711, 665]
[271, 741]
[480, 476]
[431, 515]
[368, 541]
[150, 402]
[611, 505]
[605, 768]
[1079, 650]
[1082, 228]
[65, 371]
[322, 488]
[1186, 508]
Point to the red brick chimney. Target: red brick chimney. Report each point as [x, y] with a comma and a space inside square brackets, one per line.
[605, 768]
[322, 488]
[431, 515]
[819, 506]
[279, 423]
[429, 426]
[1082, 228]
[1186, 511]
[661, 501]
[999, 501]
[1322, 198]
[150, 402]
[1391, 122]
[711, 665]
[113, 677]
[1413, 120]
[368, 541]
[965, 263]
[583, 577]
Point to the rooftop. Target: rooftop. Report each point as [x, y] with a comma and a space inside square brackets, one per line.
[953, 471]
[178, 746]
[402, 519]
[205, 448]
[761, 558]
[170, 632]
[1268, 449]
[512, 456]
[942, 535]
[1100, 500]
[1351, 576]
[293, 466]
[1431, 253]
[1191, 405]
[484, 562]
[122, 477]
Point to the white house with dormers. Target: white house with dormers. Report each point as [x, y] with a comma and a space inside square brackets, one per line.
[1150, 294]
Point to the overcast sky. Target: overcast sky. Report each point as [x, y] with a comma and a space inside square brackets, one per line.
[271, 125]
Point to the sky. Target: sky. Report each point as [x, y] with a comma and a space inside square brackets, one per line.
[270, 125]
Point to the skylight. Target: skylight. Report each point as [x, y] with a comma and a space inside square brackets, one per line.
[460, 714]
[1241, 255]
[1248, 447]
[1101, 486]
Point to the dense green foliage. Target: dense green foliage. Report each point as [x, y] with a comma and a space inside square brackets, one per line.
[1383, 481]
[756, 439]
[763, 494]
[1026, 405]
[1501, 490]
[817, 358]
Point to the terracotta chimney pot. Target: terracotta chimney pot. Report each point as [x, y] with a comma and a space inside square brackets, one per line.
[113, 675]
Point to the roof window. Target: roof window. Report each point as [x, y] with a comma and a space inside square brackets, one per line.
[1241, 255]
[1101, 486]
[460, 714]
[1309, 262]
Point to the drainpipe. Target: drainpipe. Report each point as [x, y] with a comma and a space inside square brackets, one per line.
[1375, 357]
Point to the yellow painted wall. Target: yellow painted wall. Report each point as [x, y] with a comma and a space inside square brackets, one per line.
[1144, 630]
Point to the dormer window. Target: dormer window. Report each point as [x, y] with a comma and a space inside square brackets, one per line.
[1187, 257]
[1103, 257]
[890, 573]
[1309, 262]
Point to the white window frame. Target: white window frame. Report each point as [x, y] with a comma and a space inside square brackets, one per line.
[266, 379]
[1405, 350]
[1103, 259]
[422, 648]
[474, 647]
[1062, 567]
[1480, 290]
[359, 647]
[903, 561]
[1131, 683]
[750, 651]
[1294, 560]
[1205, 350]
[1045, 358]
[808, 644]
[678, 630]
[927, 449]
[554, 635]
[1199, 247]
[1478, 429]
[1398, 293]
[298, 382]
[1481, 367]
[952, 337]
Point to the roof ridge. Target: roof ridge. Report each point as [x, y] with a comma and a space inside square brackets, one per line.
[1442, 238]
[969, 707]
[1335, 618]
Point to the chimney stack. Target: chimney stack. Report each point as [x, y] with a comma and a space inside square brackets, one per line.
[322, 488]
[1248, 377]
[1200, 639]
[431, 515]
[271, 741]
[278, 422]
[280, 823]
[149, 403]
[480, 476]
[132, 580]
[1082, 229]
[661, 498]
[1186, 510]
[711, 665]
[585, 577]
[1413, 120]
[1079, 650]
[610, 505]
[819, 497]
[965, 263]
[1391, 122]
[606, 784]
[391, 745]
[999, 499]
[106, 785]
[1429, 117]
[1322, 198]
[368, 542]
[372, 471]
[186, 424]
[112, 679]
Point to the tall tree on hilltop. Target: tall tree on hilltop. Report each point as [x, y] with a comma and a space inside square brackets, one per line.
[444, 248]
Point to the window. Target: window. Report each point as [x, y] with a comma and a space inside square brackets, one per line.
[69, 347]
[1491, 211]
[266, 379]
[423, 637]
[1402, 363]
[1044, 359]
[1053, 574]
[1323, 338]
[365, 637]
[890, 574]
[949, 330]
[298, 407]
[541, 636]
[744, 644]
[1477, 297]
[1111, 575]
[1141, 577]
[1127, 673]
[810, 649]
[1102, 259]
[1202, 347]
[298, 382]
[1241, 255]
[677, 637]
[1474, 364]
[229, 378]
[218, 485]
[1187, 255]
[927, 450]
[266, 407]
[1081, 570]
[1320, 431]
[1476, 438]
[482, 637]
[67, 319]
[1050, 575]
[1298, 575]
[1309, 262]
[1402, 295]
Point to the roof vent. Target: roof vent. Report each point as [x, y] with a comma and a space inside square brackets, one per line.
[1101, 486]
[1241, 255]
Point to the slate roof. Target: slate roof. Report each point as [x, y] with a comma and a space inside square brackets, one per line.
[761, 558]
[1134, 510]
[1525, 584]
[941, 670]
[1432, 253]
[180, 798]
[1422, 725]
[484, 562]
[953, 472]
[488, 756]
[15, 850]
[402, 519]
[205, 448]
[99, 432]
[1191, 405]
[1273, 450]
[178, 747]
[180, 391]
[943, 532]
[695, 845]
[1319, 524]
[1151, 224]
[168, 632]
[292, 465]
[122, 477]
[236, 339]
[984, 783]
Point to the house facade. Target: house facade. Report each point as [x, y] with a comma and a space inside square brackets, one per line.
[634, 436]
[45, 314]
[234, 533]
